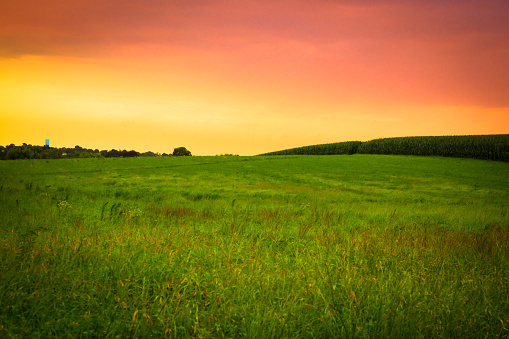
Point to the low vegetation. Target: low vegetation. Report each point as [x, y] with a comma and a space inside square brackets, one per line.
[485, 147]
[323, 246]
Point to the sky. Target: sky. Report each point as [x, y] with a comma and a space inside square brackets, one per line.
[248, 77]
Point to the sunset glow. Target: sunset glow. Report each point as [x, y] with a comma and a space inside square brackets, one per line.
[249, 77]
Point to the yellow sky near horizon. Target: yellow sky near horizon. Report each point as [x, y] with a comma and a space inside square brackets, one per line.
[249, 77]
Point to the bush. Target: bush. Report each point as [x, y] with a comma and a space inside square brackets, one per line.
[181, 151]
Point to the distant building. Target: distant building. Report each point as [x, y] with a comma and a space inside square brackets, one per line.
[47, 142]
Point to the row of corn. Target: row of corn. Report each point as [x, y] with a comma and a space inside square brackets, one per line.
[486, 147]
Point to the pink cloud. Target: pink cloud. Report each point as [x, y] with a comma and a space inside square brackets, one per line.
[204, 23]
[408, 50]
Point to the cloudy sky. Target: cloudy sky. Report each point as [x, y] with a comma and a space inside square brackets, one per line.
[249, 77]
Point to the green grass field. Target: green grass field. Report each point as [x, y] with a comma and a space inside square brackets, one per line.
[283, 246]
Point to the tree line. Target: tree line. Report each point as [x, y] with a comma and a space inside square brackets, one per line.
[25, 151]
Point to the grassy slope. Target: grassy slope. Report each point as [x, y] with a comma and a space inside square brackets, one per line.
[247, 246]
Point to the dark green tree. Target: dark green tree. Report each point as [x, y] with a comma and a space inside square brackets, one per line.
[113, 154]
[51, 153]
[181, 151]
[148, 154]
[21, 152]
[130, 154]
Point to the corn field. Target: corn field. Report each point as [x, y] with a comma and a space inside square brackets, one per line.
[347, 147]
[486, 147]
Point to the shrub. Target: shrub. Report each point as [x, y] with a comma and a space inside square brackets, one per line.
[181, 151]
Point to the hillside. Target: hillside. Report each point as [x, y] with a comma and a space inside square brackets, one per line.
[485, 147]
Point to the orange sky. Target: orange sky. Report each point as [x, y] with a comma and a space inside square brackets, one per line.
[249, 77]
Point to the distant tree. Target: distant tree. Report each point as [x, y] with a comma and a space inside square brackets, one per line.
[181, 151]
[89, 155]
[148, 154]
[51, 153]
[113, 154]
[69, 152]
[37, 150]
[130, 154]
[21, 152]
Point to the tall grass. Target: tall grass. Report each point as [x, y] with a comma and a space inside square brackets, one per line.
[362, 246]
